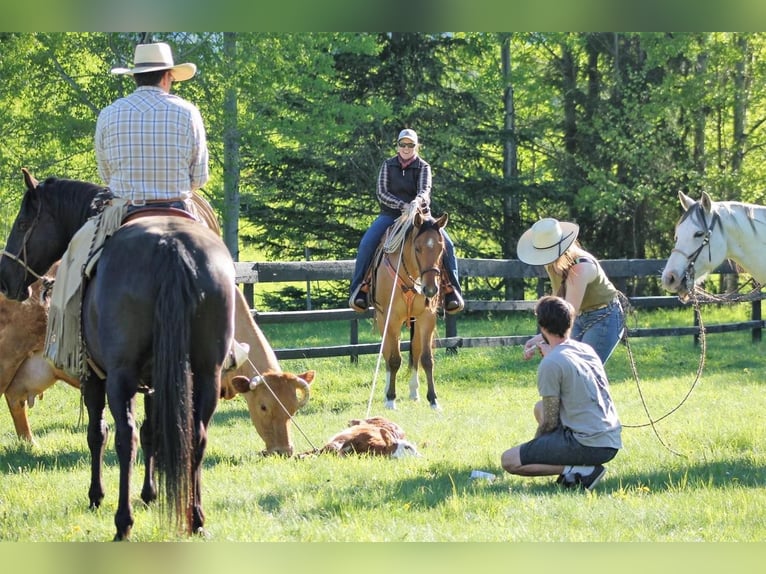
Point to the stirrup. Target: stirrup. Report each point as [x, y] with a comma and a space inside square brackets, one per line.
[359, 300]
[237, 356]
[453, 300]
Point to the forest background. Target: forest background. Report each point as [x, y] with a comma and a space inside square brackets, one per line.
[601, 128]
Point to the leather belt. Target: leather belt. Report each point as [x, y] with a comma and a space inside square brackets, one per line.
[596, 308]
[142, 202]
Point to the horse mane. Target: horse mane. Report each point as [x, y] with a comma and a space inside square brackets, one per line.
[102, 194]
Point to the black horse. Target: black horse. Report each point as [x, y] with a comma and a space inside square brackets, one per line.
[157, 314]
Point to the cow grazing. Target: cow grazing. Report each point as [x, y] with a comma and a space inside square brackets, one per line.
[273, 397]
[375, 436]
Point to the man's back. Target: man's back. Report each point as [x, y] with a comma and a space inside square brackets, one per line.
[573, 372]
[151, 145]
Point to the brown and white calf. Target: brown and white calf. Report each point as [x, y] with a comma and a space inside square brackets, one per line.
[375, 436]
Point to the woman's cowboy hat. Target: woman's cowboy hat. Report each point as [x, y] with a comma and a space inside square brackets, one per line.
[153, 57]
[546, 241]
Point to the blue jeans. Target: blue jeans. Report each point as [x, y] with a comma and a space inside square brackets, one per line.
[602, 329]
[371, 240]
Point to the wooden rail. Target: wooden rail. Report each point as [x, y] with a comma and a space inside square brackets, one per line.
[620, 272]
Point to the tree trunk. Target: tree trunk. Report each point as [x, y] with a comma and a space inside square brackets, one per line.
[231, 150]
[514, 289]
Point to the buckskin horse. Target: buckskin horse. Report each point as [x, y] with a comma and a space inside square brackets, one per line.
[157, 315]
[708, 233]
[406, 292]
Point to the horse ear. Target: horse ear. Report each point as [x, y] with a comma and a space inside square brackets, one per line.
[418, 220]
[29, 179]
[442, 221]
[686, 201]
[706, 202]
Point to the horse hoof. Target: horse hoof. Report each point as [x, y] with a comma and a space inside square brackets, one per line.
[391, 405]
[202, 533]
[435, 407]
[415, 398]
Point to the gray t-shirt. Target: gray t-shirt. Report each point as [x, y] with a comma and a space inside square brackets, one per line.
[573, 372]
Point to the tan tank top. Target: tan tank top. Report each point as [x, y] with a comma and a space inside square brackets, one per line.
[598, 293]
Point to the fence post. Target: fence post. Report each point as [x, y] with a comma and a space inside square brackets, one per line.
[354, 340]
[248, 290]
[755, 315]
[450, 330]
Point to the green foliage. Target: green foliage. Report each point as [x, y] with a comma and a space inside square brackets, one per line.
[605, 127]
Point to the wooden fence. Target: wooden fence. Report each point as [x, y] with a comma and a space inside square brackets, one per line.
[622, 272]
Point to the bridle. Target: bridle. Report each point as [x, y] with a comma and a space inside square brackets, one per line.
[21, 258]
[436, 269]
[691, 259]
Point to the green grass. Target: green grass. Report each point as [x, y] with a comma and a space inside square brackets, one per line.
[712, 490]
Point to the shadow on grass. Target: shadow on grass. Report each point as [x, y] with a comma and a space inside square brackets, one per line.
[437, 486]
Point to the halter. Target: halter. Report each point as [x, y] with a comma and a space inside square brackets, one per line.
[692, 258]
[21, 258]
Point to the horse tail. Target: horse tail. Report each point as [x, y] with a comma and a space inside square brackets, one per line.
[172, 418]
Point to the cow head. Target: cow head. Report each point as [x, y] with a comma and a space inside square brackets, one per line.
[272, 399]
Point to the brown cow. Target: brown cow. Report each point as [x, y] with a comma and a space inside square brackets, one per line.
[271, 395]
[375, 436]
[24, 373]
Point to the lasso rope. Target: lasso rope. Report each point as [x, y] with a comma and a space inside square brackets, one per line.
[700, 366]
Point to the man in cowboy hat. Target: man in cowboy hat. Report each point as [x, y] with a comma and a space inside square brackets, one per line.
[151, 149]
[151, 145]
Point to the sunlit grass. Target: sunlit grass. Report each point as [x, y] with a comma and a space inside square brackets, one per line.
[697, 476]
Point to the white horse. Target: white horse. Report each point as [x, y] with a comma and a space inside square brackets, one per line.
[708, 233]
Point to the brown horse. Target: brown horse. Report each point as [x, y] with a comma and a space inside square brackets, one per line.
[406, 291]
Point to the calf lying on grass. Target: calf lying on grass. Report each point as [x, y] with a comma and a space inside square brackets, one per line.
[375, 436]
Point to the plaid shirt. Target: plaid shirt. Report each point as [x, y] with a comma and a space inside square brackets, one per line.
[151, 145]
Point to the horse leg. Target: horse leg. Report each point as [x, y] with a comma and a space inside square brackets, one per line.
[149, 490]
[414, 361]
[120, 390]
[205, 402]
[393, 361]
[425, 337]
[98, 432]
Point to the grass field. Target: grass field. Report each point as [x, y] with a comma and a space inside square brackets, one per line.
[699, 477]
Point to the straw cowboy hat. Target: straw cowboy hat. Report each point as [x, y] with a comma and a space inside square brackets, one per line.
[546, 241]
[154, 57]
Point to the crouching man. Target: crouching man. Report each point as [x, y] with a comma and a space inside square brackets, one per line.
[578, 427]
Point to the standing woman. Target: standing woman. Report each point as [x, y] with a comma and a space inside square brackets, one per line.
[577, 277]
[402, 179]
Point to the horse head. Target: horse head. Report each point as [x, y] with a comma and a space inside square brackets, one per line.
[698, 249]
[277, 397]
[32, 244]
[428, 247]
[51, 212]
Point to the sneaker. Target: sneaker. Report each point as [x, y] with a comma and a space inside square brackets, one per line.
[453, 302]
[590, 481]
[566, 481]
